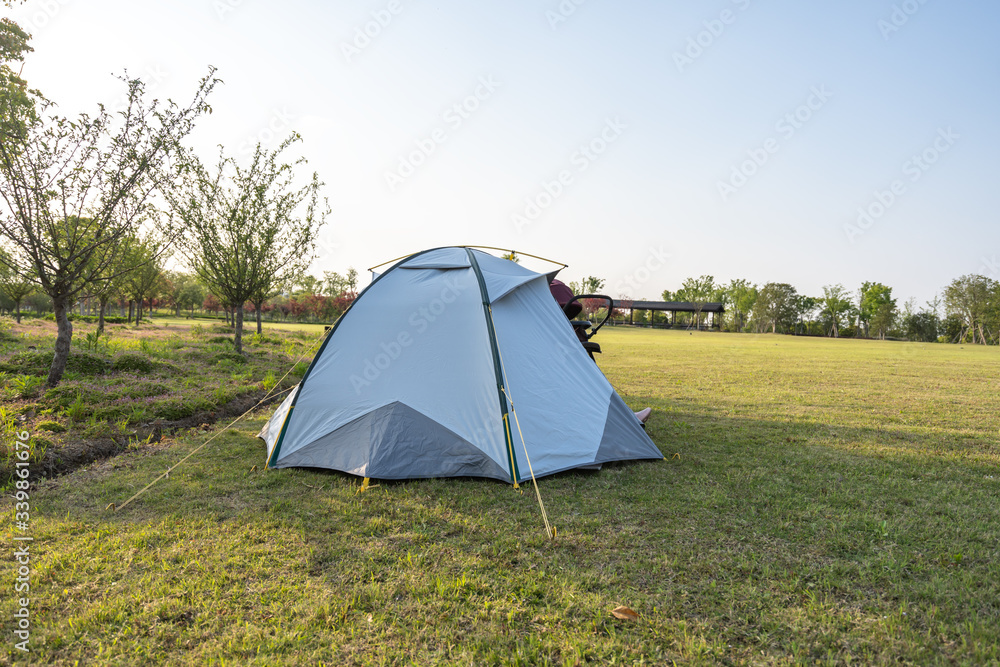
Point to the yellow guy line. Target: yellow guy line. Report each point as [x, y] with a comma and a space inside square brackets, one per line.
[549, 530]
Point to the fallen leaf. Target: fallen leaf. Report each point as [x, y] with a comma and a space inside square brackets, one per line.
[625, 614]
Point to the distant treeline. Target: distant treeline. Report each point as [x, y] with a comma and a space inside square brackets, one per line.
[307, 299]
[966, 311]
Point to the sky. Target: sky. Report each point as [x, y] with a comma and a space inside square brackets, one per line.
[641, 142]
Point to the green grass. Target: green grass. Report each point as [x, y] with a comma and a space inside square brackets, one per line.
[821, 502]
[117, 384]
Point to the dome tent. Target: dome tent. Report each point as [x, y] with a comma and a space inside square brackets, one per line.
[440, 367]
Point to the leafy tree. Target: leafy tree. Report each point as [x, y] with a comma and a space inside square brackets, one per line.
[589, 285]
[974, 300]
[953, 328]
[924, 326]
[805, 306]
[146, 278]
[211, 304]
[16, 286]
[342, 302]
[110, 284]
[776, 307]
[876, 309]
[697, 291]
[247, 230]
[835, 306]
[340, 292]
[742, 295]
[73, 190]
[881, 309]
[17, 102]
[307, 284]
[182, 291]
[262, 292]
[335, 284]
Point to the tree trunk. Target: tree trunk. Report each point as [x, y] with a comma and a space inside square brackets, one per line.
[100, 315]
[131, 305]
[238, 327]
[63, 339]
[17, 314]
[256, 307]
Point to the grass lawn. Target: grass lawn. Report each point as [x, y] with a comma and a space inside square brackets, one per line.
[130, 385]
[821, 501]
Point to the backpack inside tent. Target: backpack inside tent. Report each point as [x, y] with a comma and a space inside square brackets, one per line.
[454, 362]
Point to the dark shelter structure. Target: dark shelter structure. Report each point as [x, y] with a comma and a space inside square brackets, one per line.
[674, 307]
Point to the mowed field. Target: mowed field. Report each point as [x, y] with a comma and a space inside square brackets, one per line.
[820, 502]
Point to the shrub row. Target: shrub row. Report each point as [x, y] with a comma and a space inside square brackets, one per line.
[38, 362]
[90, 319]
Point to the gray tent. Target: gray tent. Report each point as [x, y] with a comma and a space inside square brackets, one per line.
[440, 368]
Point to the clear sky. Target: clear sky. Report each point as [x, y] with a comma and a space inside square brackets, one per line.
[642, 142]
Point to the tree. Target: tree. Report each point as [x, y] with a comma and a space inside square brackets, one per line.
[307, 284]
[147, 275]
[589, 285]
[335, 284]
[110, 284]
[72, 191]
[248, 228]
[17, 102]
[776, 306]
[876, 308]
[742, 297]
[697, 291]
[182, 291]
[884, 319]
[805, 306]
[15, 285]
[260, 294]
[923, 326]
[211, 304]
[835, 305]
[974, 300]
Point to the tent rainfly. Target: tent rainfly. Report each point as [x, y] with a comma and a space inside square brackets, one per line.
[454, 363]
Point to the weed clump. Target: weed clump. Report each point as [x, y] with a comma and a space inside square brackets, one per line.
[131, 363]
[51, 427]
[229, 358]
[37, 362]
[178, 407]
